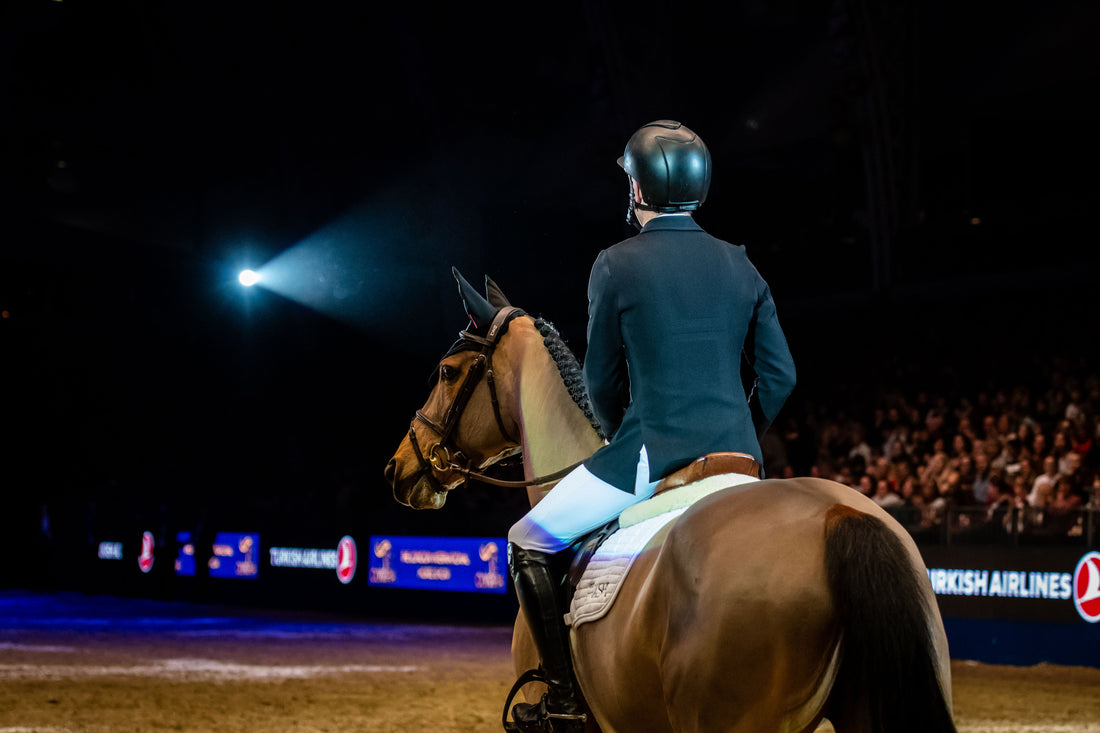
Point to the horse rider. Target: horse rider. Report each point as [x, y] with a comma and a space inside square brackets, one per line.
[671, 310]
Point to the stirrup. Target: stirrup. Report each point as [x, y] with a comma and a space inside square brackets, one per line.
[531, 675]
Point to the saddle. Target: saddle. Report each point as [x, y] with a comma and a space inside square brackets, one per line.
[712, 464]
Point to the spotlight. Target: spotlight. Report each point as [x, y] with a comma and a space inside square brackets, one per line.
[248, 278]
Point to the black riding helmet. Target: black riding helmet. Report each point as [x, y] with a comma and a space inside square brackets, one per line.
[671, 164]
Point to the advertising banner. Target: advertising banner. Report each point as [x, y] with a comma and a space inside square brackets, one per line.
[108, 550]
[235, 555]
[471, 564]
[185, 554]
[1054, 584]
[342, 559]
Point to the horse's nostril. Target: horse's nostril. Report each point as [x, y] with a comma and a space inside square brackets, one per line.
[391, 471]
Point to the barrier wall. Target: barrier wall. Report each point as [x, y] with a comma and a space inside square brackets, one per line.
[1010, 604]
[1019, 605]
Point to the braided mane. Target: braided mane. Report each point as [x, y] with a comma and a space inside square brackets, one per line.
[570, 370]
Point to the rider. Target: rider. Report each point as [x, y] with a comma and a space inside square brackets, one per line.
[670, 313]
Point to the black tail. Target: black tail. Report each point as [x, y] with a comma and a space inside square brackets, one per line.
[888, 680]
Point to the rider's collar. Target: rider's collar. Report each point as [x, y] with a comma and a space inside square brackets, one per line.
[672, 222]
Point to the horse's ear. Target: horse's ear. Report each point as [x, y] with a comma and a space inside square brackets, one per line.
[494, 294]
[477, 308]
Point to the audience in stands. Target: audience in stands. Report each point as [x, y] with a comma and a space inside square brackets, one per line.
[1018, 459]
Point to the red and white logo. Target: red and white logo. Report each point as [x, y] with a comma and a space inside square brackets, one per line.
[1086, 587]
[346, 558]
[145, 559]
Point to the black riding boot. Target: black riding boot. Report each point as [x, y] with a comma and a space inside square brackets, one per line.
[538, 589]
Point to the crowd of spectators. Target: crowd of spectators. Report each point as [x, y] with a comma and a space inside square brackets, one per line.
[1023, 460]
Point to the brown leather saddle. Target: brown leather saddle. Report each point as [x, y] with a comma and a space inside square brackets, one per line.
[712, 464]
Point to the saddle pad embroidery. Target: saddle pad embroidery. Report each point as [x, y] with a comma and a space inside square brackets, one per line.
[601, 581]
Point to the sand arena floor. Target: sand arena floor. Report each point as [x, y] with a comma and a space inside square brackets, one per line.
[89, 668]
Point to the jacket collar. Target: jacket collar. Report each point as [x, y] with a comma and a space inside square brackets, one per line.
[672, 223]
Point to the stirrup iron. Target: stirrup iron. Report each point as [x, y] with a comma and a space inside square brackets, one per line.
[531, 675]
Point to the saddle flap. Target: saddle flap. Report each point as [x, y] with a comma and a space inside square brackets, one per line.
[711, 464]
[582, 551]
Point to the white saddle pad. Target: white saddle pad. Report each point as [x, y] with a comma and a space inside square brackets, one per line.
[604, 575]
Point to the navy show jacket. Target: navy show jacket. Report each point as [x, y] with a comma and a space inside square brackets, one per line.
[670, 312]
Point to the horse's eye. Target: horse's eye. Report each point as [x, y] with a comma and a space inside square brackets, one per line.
[448, 373]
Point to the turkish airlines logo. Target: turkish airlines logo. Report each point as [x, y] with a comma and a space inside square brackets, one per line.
[346, 558]
[145, 559]
[1086, 587]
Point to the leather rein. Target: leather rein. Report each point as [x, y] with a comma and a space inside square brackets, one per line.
[445, 455]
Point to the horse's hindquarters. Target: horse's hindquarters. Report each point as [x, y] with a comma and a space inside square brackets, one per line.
[751, 633]
[727, 626]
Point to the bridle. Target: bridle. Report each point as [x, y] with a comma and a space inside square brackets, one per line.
[445, 454]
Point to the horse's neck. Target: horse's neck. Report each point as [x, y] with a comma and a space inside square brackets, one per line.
[556, 432]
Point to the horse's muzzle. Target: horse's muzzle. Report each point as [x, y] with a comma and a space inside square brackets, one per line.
[415, 491]
[391, 472]
[424, 495]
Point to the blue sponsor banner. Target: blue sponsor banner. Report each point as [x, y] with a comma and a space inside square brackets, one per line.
[235, 555]
[471, 564]
[185, 554]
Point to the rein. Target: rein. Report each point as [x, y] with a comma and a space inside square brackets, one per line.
[445, 454]
[539, 481]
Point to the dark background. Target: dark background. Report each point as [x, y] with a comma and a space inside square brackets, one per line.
[917, 182]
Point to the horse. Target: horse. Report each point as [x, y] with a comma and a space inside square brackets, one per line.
[770, 605]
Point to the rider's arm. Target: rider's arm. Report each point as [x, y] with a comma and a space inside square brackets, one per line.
[770, 356]
[605, 373]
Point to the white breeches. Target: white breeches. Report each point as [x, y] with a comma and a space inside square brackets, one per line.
[580, 503]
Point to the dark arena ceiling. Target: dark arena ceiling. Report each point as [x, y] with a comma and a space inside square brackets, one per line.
[880, 161]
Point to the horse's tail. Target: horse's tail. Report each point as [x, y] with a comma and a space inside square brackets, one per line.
[888, 679]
